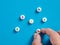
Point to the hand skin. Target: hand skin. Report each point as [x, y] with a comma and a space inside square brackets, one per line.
[54, 37]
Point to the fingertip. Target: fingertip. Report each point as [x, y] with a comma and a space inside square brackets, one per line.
[43, 30]
[37, 36]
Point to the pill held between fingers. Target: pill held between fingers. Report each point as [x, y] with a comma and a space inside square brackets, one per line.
[38, 31]
[17, 29]
[22, 17]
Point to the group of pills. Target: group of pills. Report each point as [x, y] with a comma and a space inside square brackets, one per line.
[31, 21]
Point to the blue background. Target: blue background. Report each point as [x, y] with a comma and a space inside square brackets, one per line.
[10, 10]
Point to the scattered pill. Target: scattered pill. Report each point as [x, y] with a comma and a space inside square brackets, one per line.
[39, 9]
[31, 21]
[44, 19]
[17, 29]
[22, 17]
[38, 31]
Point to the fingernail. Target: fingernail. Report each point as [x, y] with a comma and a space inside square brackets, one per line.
[35, 35]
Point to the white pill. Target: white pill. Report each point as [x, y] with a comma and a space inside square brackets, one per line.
[44, 19]
[39, 9]
[31, 21]
[38, 31]
[17, 29]
[22, 17]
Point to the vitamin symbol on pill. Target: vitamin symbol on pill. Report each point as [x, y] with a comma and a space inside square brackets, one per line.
[22, 16]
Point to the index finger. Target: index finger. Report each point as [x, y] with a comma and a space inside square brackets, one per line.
[49, 31]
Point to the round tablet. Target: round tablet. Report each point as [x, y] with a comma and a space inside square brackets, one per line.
[44, 19]
[17, 29]
[38, 31]
[39, 9]
[22, 17]
[31, 21]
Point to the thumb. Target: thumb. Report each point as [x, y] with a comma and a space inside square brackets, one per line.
[37, 39]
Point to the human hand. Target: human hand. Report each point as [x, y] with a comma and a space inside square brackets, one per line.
[54, 37]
